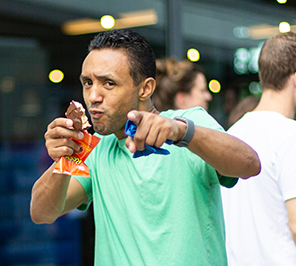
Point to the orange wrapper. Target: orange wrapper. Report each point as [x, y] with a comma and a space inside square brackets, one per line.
[74, 164]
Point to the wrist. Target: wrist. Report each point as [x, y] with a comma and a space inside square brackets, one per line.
[187, 136]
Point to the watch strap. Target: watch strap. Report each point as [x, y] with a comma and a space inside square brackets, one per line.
[184, 141]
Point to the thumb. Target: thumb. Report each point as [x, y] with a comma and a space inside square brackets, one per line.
[135, 116]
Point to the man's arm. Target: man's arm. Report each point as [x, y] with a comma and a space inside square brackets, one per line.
[55, 194]
[225, 153]
[291, 208]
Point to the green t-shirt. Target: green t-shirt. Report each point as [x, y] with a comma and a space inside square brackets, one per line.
[157, 209]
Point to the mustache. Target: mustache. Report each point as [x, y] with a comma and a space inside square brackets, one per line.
[95, 107]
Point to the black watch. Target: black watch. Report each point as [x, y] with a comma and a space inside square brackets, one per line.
[183, 142]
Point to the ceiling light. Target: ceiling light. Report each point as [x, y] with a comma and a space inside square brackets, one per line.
[284, 27]
[193, 55]
[107, 22]
[126, 20]
[266, 31]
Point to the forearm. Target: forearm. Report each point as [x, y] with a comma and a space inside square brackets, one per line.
[49, 196]
[227, 154]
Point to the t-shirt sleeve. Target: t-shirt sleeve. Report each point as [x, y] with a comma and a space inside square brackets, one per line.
[86, 183]
[228, 182]
[200, 117]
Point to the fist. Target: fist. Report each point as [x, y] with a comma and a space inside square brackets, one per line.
[153, 130]
[58, 138]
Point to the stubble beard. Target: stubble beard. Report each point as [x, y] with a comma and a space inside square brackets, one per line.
[114, 123]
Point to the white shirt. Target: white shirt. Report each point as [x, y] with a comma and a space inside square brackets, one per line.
[256, 220]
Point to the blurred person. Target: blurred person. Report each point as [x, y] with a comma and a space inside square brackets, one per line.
[245, 105]
[260, 213]
[151, 210]
[180, 85]
[231, 99]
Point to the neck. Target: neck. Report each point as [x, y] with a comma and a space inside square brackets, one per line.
[148, 106]
[278, 101]
[153, 110]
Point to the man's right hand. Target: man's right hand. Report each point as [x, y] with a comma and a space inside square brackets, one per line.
[57, 138]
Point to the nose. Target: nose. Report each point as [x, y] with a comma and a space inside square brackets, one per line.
[95, 94]
[208, 96]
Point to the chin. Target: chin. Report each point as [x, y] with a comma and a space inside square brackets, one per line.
[99, 129]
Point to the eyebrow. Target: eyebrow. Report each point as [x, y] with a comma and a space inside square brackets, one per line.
[106, 76]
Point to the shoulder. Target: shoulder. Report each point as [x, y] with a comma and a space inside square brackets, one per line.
[198, 115]
[272, 122]
[183, 112]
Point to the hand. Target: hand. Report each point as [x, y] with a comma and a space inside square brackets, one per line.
[153, 130]
[57, 138]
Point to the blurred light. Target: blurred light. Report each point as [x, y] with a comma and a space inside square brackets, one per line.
[241, 61]
[243, 54]
[107, 22]
[255, 88]
[240, 67]
[241, 32]
[7, 84]
[214, 86]
[284, 27]
[193, 55]
[282, 1]
[254, 57]
[266, 31]
[56, 76]
[125, 20]
[246, 60]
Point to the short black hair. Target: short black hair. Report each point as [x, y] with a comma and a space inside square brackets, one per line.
[136, 47]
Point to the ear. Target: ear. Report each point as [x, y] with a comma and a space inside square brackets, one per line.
[180, 100]
[147, 89]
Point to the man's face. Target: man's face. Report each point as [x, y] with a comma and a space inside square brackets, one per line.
[108, 90]
[199, 94]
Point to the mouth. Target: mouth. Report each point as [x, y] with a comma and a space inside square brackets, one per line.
[95, 114]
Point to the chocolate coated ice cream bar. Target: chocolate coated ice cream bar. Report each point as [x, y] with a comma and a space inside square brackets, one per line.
[76, 112]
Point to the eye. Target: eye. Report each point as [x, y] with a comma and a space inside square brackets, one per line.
[109, 84]
[86, 83]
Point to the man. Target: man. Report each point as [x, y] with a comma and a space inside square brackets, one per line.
[180, 85]
[260, 213]
[151, 210]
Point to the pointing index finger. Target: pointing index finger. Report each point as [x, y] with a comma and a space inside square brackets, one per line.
[135, 116]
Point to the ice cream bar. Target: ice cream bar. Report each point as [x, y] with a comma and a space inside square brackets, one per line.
[76, 112]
